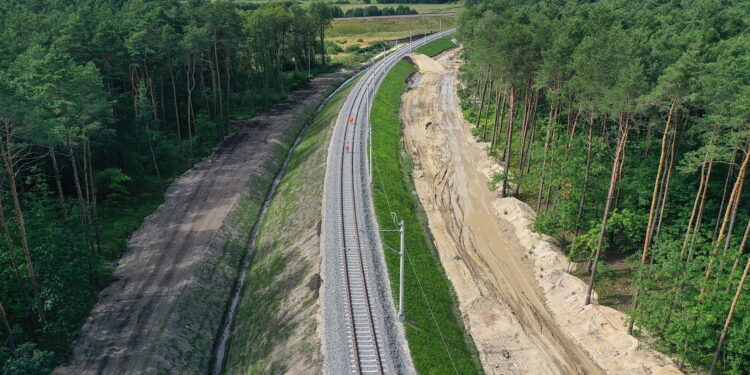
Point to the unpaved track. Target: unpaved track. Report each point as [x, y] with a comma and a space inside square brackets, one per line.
[163, 311]
[502, 303]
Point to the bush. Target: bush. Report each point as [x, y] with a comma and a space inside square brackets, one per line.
[111, 183]
[333, 48]
[29, 361]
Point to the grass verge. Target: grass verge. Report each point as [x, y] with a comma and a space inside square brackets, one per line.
[276, 328]
[438, 340]
[437, 46]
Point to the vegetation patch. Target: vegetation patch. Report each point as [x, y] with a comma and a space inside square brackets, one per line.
[434, 328]
[437, 46]
[387, 28]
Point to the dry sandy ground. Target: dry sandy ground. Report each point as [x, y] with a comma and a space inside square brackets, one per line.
[162, 313]
[523, 310]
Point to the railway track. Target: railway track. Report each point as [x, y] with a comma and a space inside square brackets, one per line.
[365, 311]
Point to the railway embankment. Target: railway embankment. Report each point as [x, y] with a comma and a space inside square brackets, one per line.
[434, 327]
[278, 317]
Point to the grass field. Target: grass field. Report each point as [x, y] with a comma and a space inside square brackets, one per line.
[434, 328]
[421, 8]
[437, 46]
[389, 28]
[365, 32]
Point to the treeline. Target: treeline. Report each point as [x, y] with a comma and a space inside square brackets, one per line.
[626, 125]
[102, 102]
[415, 1]
[372, 11]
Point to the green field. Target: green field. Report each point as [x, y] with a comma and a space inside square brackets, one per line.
[434, 328]
[387, 28]
[437, 46]
[421, 8]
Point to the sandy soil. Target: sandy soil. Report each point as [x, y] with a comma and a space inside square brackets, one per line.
[162, 313]
[523, 310]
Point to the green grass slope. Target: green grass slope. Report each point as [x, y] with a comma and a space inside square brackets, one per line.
[437, 46]
[438, 340]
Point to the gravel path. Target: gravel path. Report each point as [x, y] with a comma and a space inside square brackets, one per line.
[347, 194]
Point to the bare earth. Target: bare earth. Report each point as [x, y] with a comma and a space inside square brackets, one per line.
[524, 312]
[163, 312]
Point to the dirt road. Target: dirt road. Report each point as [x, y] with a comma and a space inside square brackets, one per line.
[502, 303]
[163, 312]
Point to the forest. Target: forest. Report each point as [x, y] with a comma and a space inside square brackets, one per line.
[102, 104]
[626, 126]
[372, 11]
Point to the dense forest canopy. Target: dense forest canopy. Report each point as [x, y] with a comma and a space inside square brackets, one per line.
[626, 125]
[102, 102]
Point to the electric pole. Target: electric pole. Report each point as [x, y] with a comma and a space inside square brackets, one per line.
[409, 40]
[401, 316]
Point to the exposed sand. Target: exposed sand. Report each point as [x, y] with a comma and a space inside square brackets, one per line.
[523, 310]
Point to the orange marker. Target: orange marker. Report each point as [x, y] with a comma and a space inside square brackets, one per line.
[351, 119]
[346, 145]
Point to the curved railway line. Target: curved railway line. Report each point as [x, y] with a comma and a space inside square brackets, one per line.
[368, 334]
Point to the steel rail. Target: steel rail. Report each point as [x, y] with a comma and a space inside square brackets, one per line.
[374, 77]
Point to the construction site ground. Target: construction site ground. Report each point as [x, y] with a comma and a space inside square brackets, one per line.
[524, 311]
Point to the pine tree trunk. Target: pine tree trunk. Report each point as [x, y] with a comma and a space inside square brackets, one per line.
[734, 199]
[499, 111]
[657, 187]
[652, 210]
[93, 202]
[547, 139]
[730, 174]
[621, 141]
[572, 131]
[728, 321]
[174, 97]
[56, 170]
[481, 100]
[740, 251]
[487, 112]
[534, 124]
[525, 135]
[665, 195]
[10, 170]
[701, 209]
[79, 193]
[190, 75]
[9, 242]
[228, 94]
[586, 176]
[222, 123]
[693, 212]
[11, 339]
[509, 139]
